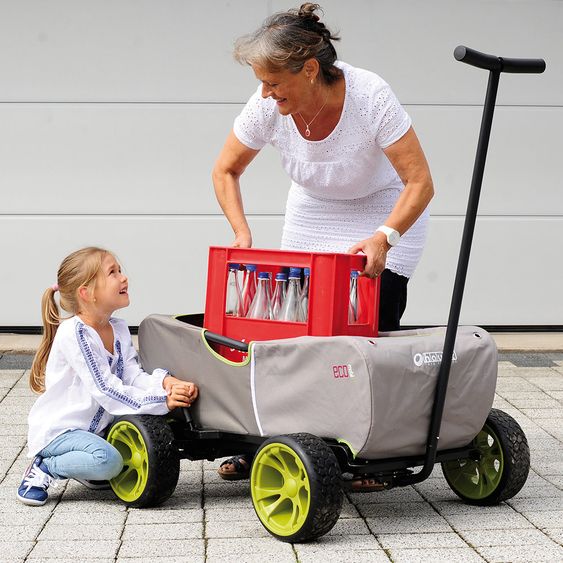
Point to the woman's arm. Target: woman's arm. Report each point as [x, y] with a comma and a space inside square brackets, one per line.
[232, 162]
[409, 161]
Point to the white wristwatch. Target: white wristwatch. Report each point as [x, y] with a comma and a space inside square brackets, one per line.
[392, 235]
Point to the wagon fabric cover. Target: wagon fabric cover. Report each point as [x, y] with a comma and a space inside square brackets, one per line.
[375, 394]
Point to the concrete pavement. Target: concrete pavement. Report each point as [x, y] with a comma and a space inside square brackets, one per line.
[210, 520]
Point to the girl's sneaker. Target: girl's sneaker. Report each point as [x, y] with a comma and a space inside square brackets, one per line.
[35, 482]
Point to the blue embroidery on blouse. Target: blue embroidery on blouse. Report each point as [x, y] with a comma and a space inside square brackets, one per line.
[102, 385]
[96, 420]
[119, 368]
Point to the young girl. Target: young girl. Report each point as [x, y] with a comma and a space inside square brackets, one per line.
[86, 369]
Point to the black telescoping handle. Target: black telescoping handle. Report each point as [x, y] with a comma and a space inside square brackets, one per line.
[498, 64]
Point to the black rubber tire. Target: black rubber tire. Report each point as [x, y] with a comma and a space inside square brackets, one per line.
[516, 460]
[163, 459]
[325, 479]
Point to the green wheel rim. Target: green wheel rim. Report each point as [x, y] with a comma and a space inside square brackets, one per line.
[280, 489]
[478, 479]
[131, 482]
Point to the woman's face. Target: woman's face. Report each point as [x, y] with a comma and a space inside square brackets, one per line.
[289, 90]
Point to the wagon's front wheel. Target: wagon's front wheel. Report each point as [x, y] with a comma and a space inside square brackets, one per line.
[295, 484]
[151, 466]
[500, 468]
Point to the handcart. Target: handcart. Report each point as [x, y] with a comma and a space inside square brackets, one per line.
[317, 404]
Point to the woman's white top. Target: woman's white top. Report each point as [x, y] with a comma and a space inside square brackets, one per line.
[344, 186]
[86, 386]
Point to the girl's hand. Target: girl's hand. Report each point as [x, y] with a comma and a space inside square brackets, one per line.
[181, 394]
[375, 249]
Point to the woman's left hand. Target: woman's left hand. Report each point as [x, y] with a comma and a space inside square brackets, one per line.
[375, 248]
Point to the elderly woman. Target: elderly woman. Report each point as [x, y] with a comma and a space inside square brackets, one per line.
[360, 181]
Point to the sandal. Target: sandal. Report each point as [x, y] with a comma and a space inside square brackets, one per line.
[240, 468]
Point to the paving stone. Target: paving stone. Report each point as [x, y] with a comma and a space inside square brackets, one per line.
[545, 519]
[170, 531]
[16, 361]
[75, 549]
[398, 510]
[348, 556]
[537, 504]
[245, 549]
[93, 531]
[69, 519]
[190, 559]
[400, 494]
[21, 533]
[15, 549]
[236, 529]
[230, 513]
[151, 516]
[408, 525]
[349, 527]
[450, 508]
[435, 555]
[482, 522]
[490, 538]
[172, 548]
[68, 560]
[523, 554]
[363, 548]
[419, 541]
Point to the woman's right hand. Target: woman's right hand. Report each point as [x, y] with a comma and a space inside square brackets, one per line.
[243, 240]
[181, 394]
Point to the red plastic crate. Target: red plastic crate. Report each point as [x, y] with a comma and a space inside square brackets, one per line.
[329, 289]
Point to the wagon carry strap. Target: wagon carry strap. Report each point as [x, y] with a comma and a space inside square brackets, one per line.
[495, 65]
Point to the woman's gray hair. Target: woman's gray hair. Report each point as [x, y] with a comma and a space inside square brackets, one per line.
[287, 39]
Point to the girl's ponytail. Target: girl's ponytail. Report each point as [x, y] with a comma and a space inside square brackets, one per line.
[51, 320]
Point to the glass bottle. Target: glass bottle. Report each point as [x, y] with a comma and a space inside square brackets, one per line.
[248, 290]
[304, 296]
[354, 307]
[261, 307]
[290, 308]
[234, 293]
[279, 294]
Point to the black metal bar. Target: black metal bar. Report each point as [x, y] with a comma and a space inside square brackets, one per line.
[461, 274]
[226, 341]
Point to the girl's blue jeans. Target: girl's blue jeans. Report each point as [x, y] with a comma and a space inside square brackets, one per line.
[78, 454]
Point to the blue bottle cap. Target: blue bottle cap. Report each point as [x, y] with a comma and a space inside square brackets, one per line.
[354, 274]
[234, 266]
[251, 267]
[307, 271]
[281, 276]
[294, 272]
[263, 275]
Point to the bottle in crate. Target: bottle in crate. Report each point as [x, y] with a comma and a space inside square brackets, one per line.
[249, 289]
[279, 294]
[234, 293]
[261, 306]
[354, 306]
[291, 305]
[304, 296]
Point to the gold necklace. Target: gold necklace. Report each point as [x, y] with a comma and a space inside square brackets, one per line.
[307, 130]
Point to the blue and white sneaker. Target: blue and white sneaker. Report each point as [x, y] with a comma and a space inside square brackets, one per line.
[35, 482]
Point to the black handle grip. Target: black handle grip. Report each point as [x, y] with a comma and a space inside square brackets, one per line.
[498, 64]
[226, 341]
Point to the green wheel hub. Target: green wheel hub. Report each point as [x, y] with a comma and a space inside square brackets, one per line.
[131, 482]
[478, 479]
[280, 489]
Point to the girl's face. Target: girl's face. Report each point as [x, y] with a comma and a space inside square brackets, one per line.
[288, 89]
[111, 286]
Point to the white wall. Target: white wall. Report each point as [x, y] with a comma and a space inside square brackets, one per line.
[112, 113]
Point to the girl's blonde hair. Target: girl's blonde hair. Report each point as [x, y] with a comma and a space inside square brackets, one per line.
[79, 269]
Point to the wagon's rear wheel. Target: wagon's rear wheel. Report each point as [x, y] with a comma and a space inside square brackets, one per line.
[501, 467]
[151, 466]
[296, 488]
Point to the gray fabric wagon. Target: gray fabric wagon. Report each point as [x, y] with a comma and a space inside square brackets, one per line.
[374, 394]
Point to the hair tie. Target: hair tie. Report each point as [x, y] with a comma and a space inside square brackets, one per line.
[55, 287]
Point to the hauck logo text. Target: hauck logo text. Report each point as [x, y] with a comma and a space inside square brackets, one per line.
[430, 358]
